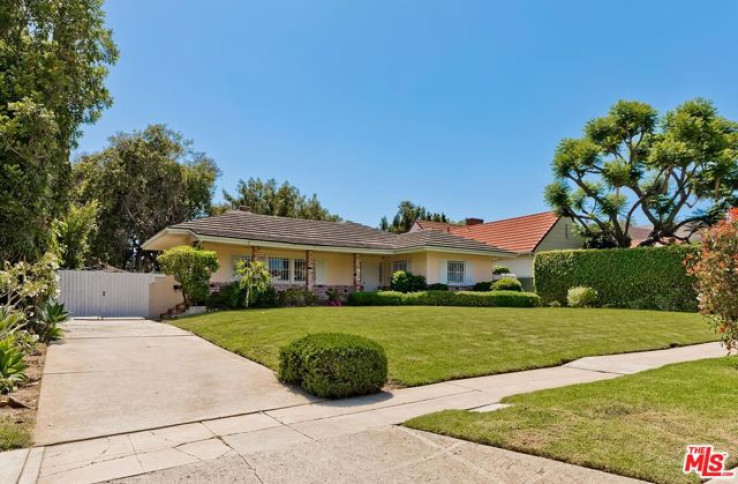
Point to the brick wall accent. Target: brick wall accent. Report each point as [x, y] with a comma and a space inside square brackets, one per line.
[310, 262]
[357, 272]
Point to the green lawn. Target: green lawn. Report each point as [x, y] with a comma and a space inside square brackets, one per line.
[430, 344]
[637, 425]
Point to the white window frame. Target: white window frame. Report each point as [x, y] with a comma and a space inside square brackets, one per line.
[456, 268]
[296, 271]
[278, 272]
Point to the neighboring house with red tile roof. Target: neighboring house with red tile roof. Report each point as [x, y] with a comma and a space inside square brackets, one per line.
[524, 235]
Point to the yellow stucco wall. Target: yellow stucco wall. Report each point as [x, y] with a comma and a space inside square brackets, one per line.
[482, 265]
[163, 296]
[339, 266]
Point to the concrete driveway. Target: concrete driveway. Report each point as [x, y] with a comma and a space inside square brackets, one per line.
[117, 376]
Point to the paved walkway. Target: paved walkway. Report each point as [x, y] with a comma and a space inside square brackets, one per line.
[180, 421]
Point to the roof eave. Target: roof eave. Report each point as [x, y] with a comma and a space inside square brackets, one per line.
[324, 248]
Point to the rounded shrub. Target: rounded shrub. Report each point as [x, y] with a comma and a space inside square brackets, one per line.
[438, 286]
[484, 286]
[507, 284]
[407, 282]
[581, 297]
[497, 270]
[334, 365]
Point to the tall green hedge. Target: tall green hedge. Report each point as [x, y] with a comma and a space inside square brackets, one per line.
[640, 278]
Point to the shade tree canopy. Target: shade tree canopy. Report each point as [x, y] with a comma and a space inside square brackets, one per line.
[677, 173]
[407, 213]
[54, 58]
[268, 197]
[143, 181]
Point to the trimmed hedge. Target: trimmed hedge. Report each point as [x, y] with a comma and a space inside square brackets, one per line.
[334, 365]
[639, 278]
[511, 299]
[507, 284]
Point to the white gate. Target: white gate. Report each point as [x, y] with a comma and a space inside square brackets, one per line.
[105, 294]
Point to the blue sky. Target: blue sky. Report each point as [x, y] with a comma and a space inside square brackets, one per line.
[457, 106]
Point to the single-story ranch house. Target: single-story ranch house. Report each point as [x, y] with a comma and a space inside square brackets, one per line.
[525, 236]
[320, 255]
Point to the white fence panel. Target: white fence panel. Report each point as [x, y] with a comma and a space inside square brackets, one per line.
[105, 294]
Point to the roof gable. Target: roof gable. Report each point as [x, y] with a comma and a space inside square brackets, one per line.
[518, 234]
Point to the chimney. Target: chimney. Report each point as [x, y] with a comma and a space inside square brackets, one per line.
[474, 221]
[244, 208]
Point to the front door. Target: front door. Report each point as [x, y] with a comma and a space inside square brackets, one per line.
[370, 275]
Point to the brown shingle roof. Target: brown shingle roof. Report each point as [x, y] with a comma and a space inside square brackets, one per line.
[249, 226]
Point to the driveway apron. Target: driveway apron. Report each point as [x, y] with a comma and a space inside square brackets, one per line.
[116, 376]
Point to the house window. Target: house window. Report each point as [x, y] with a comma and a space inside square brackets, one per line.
[300, 270]
[280, 269]
[456, 272]
[399, 265]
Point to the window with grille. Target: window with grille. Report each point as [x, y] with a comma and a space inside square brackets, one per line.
[280, 269]
[456, 272]
[300, 270]
[399, 265]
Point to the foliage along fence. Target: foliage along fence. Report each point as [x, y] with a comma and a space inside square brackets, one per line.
[639, 278]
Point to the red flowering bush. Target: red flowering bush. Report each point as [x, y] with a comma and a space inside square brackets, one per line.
[716, 271]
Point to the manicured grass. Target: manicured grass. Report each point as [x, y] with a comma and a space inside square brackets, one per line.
[636, 426]
[15, 433]
[430, 344]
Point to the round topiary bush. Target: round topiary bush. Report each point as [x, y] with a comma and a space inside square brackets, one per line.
[581, 297]
[334, 365]
[507, 284]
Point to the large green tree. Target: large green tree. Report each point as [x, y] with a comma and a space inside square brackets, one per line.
[54, 58]
[677, 173]
[407, 214]
[143, 182]
[271, 198]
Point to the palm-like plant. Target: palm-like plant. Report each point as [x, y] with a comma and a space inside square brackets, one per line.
[12, 366]
[47, 317]
[11, 322]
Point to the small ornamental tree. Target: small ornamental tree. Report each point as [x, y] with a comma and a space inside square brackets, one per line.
[716, 270]
[192, 268]
[254, 276]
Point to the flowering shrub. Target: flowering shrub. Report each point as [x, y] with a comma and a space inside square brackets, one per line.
[716, 271]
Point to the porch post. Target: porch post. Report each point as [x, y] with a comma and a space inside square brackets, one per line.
[357, 272]
[309, 263]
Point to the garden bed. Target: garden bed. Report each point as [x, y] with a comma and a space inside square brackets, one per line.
[17, 421]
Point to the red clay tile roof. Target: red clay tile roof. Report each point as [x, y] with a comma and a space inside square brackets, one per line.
[518, 234]
[733, 214]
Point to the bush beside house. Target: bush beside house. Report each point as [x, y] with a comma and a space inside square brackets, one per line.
[640, 278]
[192, 268]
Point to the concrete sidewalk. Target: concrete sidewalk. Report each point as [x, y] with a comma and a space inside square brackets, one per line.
[274, 421]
